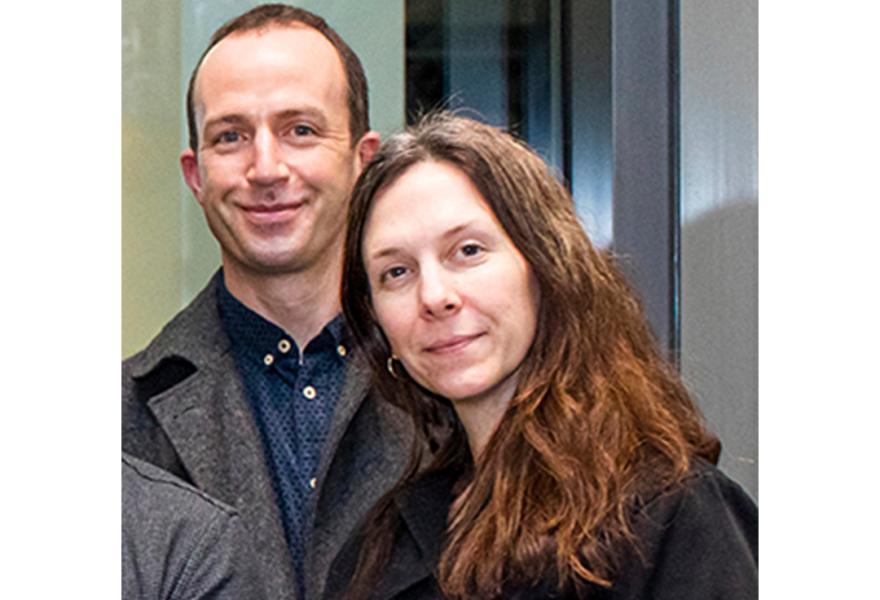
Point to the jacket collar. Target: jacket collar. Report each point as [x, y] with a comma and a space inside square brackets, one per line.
[196, 334]
[207, 421]
[424, 507]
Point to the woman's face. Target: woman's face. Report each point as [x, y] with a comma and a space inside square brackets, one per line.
[455, 298]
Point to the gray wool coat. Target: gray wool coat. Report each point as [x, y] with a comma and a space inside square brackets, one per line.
[184, 410]
[180, 544]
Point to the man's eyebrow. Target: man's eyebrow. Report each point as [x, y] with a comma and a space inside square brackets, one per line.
[298, 113]
[233, 119]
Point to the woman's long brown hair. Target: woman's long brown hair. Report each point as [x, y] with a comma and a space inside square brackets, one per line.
[597, 411]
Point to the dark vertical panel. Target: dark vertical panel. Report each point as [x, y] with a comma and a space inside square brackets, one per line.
[646, 200]
[425, 57]
[529, 96]
[498, 61]
[476, 60]
[565, 81]
[516, 38]
[588, 105]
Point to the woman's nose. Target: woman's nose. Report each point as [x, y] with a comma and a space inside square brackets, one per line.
[438, 293]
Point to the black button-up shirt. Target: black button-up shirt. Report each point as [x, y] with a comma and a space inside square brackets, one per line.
[292, 395]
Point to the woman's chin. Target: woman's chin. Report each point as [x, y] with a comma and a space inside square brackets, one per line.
[458, 391]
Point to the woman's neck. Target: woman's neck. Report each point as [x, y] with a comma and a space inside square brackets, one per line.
[480, 415]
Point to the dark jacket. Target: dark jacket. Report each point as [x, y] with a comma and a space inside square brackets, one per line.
[698, 538]
[184, 409]
[180, 544]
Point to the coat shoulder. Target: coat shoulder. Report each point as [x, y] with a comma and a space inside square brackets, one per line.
[697, 538]
[179, 542]
[193, 340]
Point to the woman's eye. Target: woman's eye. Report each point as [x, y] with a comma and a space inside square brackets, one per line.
[392, 275]
[395, 272]
[471, 249]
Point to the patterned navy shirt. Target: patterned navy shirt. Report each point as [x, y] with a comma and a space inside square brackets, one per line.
[292, 396]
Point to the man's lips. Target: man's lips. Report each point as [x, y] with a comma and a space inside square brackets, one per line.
[268, 213]
[271, 208]
[451, 344]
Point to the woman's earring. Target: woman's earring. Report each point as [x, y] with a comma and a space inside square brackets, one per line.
[390, 366]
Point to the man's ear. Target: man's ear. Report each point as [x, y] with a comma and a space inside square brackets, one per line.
[366, 148]
[189, 164]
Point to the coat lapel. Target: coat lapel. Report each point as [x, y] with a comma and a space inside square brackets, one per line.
[424, 506]
[366, 451]
[207, 420]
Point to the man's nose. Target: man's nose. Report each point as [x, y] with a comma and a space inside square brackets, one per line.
[438, 294]
[267, 165]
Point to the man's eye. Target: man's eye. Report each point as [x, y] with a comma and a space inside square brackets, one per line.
[228, 137]
[303, 130]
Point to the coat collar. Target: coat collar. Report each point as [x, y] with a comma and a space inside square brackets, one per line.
[195, 334]
[424, 508]
[207, 420]
[365, 452]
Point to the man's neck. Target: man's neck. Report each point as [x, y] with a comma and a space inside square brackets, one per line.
[301, 303]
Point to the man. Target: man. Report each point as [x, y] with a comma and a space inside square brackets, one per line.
[251, 393]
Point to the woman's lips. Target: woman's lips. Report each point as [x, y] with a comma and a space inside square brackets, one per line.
[452, 344]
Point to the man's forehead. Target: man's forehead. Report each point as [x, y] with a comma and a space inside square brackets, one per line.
[271, 58]
[266, 33]
[294, 45]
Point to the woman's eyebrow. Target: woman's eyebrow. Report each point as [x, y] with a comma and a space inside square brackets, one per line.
[384, 252]
[449, 233]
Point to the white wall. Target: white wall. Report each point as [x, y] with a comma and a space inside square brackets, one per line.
[152, 262]
[719, 158]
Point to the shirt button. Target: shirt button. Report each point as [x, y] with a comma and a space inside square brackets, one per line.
[310, 392]
[268, 359]
[340, 349]
[284, 346]
[313, 483]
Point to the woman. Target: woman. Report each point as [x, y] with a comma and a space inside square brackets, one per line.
[558, 454]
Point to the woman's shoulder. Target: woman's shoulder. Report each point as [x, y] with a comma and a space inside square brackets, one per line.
[703, 491]
[694, 538]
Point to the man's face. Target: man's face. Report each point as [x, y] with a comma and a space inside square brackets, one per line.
[275, 162]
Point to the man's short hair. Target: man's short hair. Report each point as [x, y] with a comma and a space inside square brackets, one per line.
[283, 15]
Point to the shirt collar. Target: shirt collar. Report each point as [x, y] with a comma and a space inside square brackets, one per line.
[253, 335]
